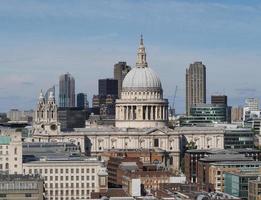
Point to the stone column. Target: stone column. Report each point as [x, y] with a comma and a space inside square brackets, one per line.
[131, 117]
[151, 113]
[163, 112]
[147, 112]
[141, 113]
[156, 112]
[160, 116]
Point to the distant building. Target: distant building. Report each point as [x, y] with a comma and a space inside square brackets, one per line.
[10, 152]
[70, 118]
[237, 114]
[108, 87]
[195, 85]
[104, 104]
[236, 183]
[254, 189]
[70, 177]
[205, 114]
[21, 187]
[82, 101]
[66, 91]
[192, 157]
[251, 108]
[14, 115]
[120, 71]
[239, 138]
[219, 99]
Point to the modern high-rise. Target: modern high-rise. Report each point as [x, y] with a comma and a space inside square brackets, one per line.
[219, 100]
[82, 101]
[195, 85]
[66, 90]
[251, 109]
[108, 87]
[120, 71]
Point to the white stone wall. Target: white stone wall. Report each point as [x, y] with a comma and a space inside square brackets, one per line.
[67, 179]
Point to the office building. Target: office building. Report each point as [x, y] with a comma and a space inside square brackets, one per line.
[66, 91]
[22, 187]
[237, 114]
[70, 118]
[82, 101]
[69, 177]
[120, 71]
[195, 85]
[239, 138]
[219, 99]
[10, 152]
[254, 189]
[236, 183]
[251, 109]
[108, 87]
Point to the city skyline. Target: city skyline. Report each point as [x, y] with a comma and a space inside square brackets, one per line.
[42, 40]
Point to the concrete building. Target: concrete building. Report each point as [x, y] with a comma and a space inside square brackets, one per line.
[195, 85]
[69, 177]
[251, 107]
[237, 114]
[10, 152]
[254, 189]
[22, 187]
[121, 69]
[66, 90]
[192, 157]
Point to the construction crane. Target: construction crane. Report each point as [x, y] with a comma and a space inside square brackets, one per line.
[173, 102]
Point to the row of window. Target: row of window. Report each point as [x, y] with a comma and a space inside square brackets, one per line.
[71, 178]
[67, 185]
[61, 171]
[69, 192]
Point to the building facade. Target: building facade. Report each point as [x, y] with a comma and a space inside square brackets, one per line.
[10, 152]
[66, 90]
[22, 187]
[82, 101]
[141, 104]
[121, 69]
[195, 85]
[67, 179]
[108, 87]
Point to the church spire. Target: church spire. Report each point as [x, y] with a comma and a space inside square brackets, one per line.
[141, 55]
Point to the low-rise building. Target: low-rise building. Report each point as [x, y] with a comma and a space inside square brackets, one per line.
[10, 152]
[254, 189]
[69, 177]
[238, 138]
[236, 183]
[22, 187]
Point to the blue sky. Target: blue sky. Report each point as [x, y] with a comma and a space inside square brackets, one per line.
[39, 40]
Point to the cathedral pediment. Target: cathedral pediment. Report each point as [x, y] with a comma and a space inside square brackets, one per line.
[156, 131]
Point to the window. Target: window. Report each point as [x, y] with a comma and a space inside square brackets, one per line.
[82, 170]
[2, 195]
[56, 171]
[15, 151]
[51, 171]
[93, 178]
[93, 170]
[156, 142]
[72, 170]
[61, 171]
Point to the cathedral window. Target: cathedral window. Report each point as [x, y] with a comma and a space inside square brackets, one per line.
[156, 142]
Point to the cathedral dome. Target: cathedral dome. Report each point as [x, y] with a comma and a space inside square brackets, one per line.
[141, 78]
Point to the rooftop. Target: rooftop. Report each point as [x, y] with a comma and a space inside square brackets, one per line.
[19, 177]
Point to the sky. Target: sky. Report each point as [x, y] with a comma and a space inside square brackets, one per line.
[40, 40]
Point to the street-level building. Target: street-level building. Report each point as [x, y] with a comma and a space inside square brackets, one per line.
[69, 178]
[10, 152]
[22, 187]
